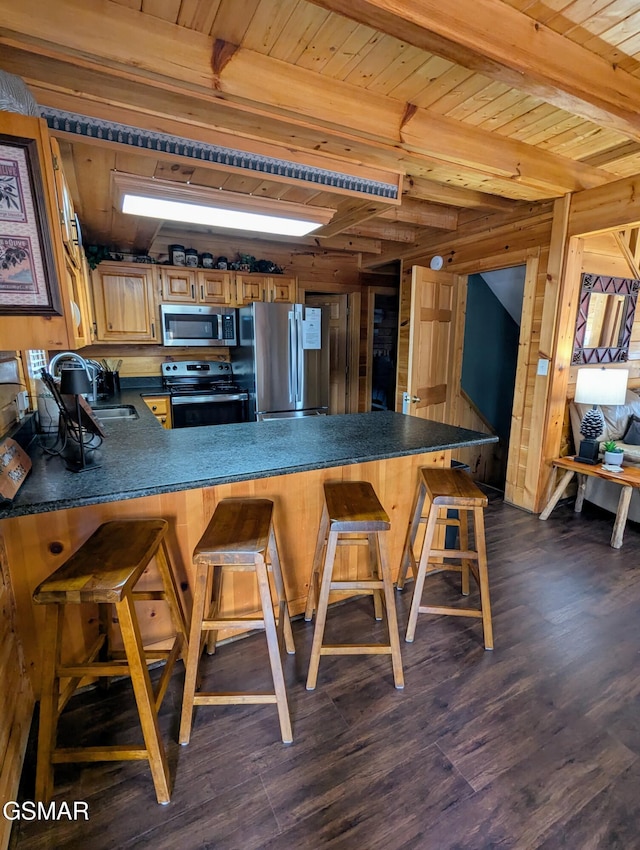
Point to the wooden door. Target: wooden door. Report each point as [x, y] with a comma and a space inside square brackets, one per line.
[250, 287]
[178, 285]
[338, 346]
[124, 303]
[281, 290]
[214, 287]
[427, 379]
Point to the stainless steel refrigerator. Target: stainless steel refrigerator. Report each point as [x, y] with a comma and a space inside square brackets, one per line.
[282, 359]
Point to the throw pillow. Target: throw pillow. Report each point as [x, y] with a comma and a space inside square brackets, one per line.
[632, 434]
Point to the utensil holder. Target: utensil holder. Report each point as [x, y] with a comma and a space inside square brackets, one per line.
[111, 383]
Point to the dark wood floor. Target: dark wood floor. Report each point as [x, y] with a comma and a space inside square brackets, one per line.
[533, 745]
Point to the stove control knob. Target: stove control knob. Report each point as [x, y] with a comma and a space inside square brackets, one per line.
[174, 367]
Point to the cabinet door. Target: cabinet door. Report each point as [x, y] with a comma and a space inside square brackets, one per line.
[78, 287]
[161, 409]
[124, 303]
[214, 287]
[178, 285]
[66, 211]
[282, 289]
[250, 287]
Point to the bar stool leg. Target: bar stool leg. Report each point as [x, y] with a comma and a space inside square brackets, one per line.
[284, 621]
[274, 650]
[215, 578]
[392, 617]
[321, 612]
[374, 560]
[408, 558]
[463, 517]
[172, 595]
[422, 570]
[483, 575]
[144, 698]
[193, 655]
[50, 694]
[321, 543]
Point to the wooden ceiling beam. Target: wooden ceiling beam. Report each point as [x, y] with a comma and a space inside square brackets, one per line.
[495, 39]
[349, 213]
[384, 230]
[364, 113]
[454, 196]
[179, 60]
[422, 214]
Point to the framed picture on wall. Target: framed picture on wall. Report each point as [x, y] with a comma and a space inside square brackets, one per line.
[28, 279]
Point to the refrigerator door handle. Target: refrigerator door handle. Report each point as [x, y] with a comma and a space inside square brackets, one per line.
[300, 359]
[293, 358]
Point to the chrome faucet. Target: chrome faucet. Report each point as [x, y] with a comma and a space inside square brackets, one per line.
[90, 369]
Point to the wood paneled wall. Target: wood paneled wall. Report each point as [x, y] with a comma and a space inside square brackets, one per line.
[16, 696]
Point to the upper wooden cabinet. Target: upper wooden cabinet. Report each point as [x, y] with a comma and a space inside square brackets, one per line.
[31, 329]
[76, 269]
[191, 286]
[215, 287]
[126, 295]
[124, 303]
[257, 287]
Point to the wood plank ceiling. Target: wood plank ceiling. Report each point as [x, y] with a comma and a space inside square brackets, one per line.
[482, 105]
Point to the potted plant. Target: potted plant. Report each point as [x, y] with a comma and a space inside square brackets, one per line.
[612, 454]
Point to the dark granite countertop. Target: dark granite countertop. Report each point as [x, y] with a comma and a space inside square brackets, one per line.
[140, 458]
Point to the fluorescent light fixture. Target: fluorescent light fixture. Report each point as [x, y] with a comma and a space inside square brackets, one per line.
[215, 207]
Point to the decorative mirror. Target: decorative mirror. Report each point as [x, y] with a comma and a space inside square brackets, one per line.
[605, 319]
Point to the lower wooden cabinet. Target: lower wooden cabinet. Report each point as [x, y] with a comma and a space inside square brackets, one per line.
[160, 406]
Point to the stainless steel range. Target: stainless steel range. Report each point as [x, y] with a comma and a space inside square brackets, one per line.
[204, 392]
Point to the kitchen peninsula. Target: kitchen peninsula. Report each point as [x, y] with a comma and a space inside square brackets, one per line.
[181, 475]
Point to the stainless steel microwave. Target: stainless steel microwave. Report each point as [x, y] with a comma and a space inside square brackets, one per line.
[186, 324]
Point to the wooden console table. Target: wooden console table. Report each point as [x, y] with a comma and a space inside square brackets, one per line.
[627, 479]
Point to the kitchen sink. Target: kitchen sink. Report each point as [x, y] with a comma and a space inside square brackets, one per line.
[116, 412]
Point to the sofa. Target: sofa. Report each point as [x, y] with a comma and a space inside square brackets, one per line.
[617, 418]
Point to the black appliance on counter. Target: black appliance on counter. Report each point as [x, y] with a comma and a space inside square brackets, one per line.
[204, 392]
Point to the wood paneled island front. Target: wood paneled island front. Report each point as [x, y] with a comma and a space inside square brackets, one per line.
[181, 475]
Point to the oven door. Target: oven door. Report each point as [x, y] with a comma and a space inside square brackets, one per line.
[194, 410]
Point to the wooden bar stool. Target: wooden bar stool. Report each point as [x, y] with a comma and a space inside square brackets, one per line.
[352, 508]
[104, 570]
[443, 490]
[240, 536]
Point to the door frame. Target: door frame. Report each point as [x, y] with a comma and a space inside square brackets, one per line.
[372, 291]
[353, 337]
[530, 258]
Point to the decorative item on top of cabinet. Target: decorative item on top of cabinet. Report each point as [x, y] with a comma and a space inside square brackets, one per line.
[182, 285]
[124, 302]
[258, 287]
[161, 409]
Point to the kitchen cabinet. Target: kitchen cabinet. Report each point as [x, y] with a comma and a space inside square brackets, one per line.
[77, 273]
[257, 287]
[69, 226]
[191, 286]
[124, 303]
[32, 330]
[160, 406]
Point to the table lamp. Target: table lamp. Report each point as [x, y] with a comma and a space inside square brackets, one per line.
[596, 387]
[75, 382]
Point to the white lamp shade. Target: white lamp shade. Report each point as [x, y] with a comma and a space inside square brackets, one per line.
[601, 386]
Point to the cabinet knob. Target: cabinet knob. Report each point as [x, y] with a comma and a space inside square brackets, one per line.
[154, 407]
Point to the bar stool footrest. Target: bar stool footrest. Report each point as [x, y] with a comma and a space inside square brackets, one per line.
[234, 699]
[355, 649]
